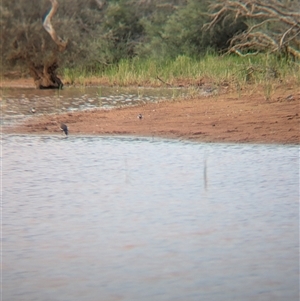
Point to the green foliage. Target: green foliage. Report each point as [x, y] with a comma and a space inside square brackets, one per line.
[127, 38]
[180, 32]
[123, 29]
[183, 34]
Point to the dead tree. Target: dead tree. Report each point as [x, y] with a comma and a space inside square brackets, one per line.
[45, 75]
[49, 28]
[273, 25]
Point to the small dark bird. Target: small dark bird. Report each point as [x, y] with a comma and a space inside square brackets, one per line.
[64, 128]
[290, 97]
[140, 116]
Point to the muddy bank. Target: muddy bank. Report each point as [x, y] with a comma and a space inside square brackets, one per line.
[247, 117]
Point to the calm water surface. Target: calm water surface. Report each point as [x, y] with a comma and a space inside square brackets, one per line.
[18, 103]
[97, 218]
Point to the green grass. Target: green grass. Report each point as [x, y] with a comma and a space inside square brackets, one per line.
[260, 69]
[75, 76]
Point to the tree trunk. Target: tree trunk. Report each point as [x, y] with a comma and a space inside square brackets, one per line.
[45, 76]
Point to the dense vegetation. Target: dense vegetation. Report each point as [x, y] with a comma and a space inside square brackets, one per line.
[104, 36]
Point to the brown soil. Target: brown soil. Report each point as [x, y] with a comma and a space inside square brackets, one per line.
[17, 83]
[229, 117]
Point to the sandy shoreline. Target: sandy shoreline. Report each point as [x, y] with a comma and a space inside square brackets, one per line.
[247, 117]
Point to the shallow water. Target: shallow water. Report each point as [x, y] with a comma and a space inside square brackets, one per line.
[18, 103]
[98, 218]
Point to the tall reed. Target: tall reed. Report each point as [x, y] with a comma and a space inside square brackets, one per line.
[260, 69]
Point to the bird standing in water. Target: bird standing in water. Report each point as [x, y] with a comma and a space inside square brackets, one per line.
[64, 128]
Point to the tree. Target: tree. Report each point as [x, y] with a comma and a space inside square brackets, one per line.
[174, 30]
[273, 25]
[36, 42]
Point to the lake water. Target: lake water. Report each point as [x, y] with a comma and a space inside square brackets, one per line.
[19, 103]
[99, 218]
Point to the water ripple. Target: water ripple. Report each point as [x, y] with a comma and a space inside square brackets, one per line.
[148, 219]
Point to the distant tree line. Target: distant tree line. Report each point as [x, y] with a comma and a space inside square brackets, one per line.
[99, 33]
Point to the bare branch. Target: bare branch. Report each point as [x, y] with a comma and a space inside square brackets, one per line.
[294, 52]
[284, 35]
[274, 25]
[100, 3]
[49, 28]
[243, 55]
